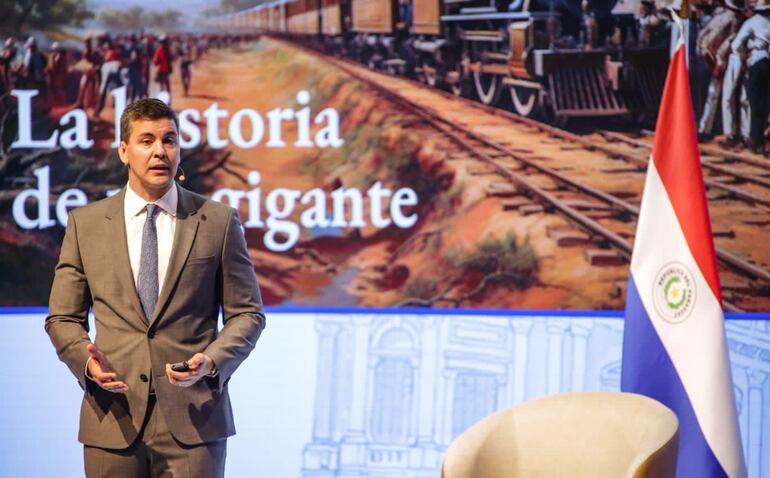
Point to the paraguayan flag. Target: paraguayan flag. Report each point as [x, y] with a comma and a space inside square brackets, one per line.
[674, 345]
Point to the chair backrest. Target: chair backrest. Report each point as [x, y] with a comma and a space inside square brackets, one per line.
[586, 434]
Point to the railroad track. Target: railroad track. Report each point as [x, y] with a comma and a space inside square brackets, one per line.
[634, 157]
[544, 185]
[754, 170]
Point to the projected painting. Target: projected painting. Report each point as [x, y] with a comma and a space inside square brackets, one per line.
[462, 154]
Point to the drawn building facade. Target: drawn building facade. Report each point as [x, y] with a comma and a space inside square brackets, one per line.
[394, 390]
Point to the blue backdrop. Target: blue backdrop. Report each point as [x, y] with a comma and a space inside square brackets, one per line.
[377, 394]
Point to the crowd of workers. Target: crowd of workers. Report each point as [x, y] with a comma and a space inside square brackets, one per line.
[104, 62]
[734, 45]
[731, 45]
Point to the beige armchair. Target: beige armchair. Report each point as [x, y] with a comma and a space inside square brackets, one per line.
[575, 435]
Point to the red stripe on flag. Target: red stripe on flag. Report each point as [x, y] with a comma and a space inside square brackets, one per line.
[677, 160]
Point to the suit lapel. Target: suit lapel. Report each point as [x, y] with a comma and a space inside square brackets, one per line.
[184, 236]
[116, 240]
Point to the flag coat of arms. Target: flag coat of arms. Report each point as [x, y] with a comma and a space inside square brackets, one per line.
[674, 344]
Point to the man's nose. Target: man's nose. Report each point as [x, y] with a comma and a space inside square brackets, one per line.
[158, 149]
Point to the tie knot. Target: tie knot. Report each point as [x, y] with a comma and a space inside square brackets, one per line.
[152, 210]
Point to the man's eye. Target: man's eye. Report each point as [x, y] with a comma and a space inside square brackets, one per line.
[171, 141]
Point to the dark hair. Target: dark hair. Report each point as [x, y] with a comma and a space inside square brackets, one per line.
[144, 109]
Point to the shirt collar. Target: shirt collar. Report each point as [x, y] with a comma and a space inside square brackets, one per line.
[133, 204]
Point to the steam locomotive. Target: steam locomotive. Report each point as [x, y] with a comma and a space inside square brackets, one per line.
[554, 58]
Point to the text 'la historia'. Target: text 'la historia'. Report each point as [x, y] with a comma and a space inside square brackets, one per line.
[245, 128]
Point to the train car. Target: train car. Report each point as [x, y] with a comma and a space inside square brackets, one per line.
[426, 17]
[253, 20]
[260, 14]
[374, 16]
[262, 19]
[380, 34]
[335, 25]
[302, 17]
[333, 17]
[277, 16]
[435, 60]
[550, 58]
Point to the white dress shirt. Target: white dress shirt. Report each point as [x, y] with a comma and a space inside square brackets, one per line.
[754, 39]
[135, 211]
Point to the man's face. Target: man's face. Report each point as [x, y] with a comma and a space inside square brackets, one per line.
[152, 156]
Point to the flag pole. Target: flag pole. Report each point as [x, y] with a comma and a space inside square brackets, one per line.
[682, 19]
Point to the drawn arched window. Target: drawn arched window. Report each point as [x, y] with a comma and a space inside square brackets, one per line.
[475, 397]
[393, 388]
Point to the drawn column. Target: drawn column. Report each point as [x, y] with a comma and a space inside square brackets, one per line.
[446, 434]
[580, 331]
[320, 454]
[556, 329]
[428, 413]
[353, 445]
[756, 381]
[517, 371]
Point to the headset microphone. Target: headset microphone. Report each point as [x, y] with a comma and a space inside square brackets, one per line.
[181, 176]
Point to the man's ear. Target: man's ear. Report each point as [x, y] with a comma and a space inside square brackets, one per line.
[122, 153]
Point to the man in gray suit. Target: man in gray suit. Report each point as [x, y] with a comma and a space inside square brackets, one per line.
[156, 262]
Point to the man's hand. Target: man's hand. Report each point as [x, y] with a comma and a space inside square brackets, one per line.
[100, 371]
[200, 366]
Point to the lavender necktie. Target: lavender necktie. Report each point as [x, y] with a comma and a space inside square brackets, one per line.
[148, 264]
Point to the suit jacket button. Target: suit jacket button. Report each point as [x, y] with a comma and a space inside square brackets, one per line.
[143, 377]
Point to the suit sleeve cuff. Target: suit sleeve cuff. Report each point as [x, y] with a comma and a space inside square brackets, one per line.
[86, 373]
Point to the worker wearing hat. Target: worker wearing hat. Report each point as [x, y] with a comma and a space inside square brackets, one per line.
[753, 43]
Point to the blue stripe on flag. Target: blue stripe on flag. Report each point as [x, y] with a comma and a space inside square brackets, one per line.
[647, 369]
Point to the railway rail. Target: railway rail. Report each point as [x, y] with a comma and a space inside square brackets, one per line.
[641, 160]
[549, 186]
[710, 158]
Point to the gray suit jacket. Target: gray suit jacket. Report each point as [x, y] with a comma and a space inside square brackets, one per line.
[209, 268]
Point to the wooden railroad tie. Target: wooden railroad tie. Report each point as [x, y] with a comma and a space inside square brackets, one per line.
[594, 214]
[758, 220]
[736, 285]
[717, 194]
[622, 170]
[723, 179]
[582, 205]
[528, 209]
[623, 194]
[604, 257]
[498, 154]
[480, 171]
[515, 203]
[536, 157]
[728, 233]
[503, 190]
[568, 237]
